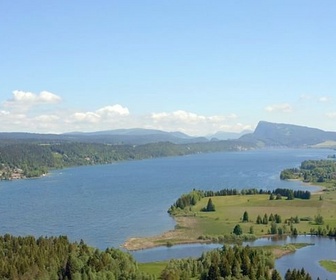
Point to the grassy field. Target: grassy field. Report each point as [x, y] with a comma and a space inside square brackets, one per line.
[329, 265]
[230, 210]
[154, 268]
[229, 213]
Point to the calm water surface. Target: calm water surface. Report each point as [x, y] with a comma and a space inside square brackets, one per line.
[104, 205]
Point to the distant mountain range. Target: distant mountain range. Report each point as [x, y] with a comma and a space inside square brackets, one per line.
[136, 136]
[223, 135]
[266, 134]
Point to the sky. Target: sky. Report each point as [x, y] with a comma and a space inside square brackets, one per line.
[176, 65]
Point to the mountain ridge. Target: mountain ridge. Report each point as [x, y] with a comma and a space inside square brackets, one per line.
[266, 134]
[287, 135]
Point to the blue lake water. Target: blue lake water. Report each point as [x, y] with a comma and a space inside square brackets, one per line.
[104, 205]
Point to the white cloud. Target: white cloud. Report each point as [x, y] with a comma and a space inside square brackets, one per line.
[88, 117]
[331, 115]
[21, 113]
[23, 98]
[47, 118]
[194, 124]
[324, 99]
[315, 98]
[4, 113]
[177, 116]
[305, 97]
[283, 108]
[114, 110]
[102, 115]
[105, 118]
[48, 97]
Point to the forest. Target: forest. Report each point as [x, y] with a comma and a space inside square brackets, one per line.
[59, 259]
[33, 159]
[230, 263]
[56, 258]
[313, 171]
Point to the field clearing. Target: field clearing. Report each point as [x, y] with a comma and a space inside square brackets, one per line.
[329, 265]
[154, 268]
[229, 212]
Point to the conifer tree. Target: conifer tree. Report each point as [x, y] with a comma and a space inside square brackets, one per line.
[245, 217]
[210, 206]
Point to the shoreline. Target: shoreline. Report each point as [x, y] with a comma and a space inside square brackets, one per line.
[185, 232]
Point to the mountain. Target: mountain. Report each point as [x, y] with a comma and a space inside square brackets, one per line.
[222, 135]
[136, 136]
[287, 135]
[266, 134]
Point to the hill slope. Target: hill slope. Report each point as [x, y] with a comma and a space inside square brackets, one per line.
[287, 135]
[135, 136]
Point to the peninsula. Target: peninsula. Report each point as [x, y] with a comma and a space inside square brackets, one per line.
[246, 216]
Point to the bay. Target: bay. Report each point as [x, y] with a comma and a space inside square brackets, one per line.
[104, 205]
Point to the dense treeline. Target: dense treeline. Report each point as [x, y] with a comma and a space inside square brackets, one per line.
[187, 200]
[190, 199]
[57, 258]
[313, 171]
[324, 231]
[34, 159]
[291, 194]
[297, 275]
[30, 160]
[232, 263]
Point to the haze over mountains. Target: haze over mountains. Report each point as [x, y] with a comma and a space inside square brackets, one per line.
[266, 134]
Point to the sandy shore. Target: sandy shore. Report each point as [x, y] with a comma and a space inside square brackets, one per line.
[184, 233]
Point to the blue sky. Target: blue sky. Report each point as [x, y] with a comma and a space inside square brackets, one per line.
[193, 66]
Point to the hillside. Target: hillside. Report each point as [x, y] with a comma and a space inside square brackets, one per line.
[135, 136]
[266, 134]
[30, 155]
[269, 134]
[223, 135]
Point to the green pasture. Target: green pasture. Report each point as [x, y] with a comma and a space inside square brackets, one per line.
[230, 210]
[329, 265]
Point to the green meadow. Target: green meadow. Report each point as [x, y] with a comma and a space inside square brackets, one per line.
[230, 209]
[153, 268]
[329, 265]
[195, 225]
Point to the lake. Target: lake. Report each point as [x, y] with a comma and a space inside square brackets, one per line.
[104, 205]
